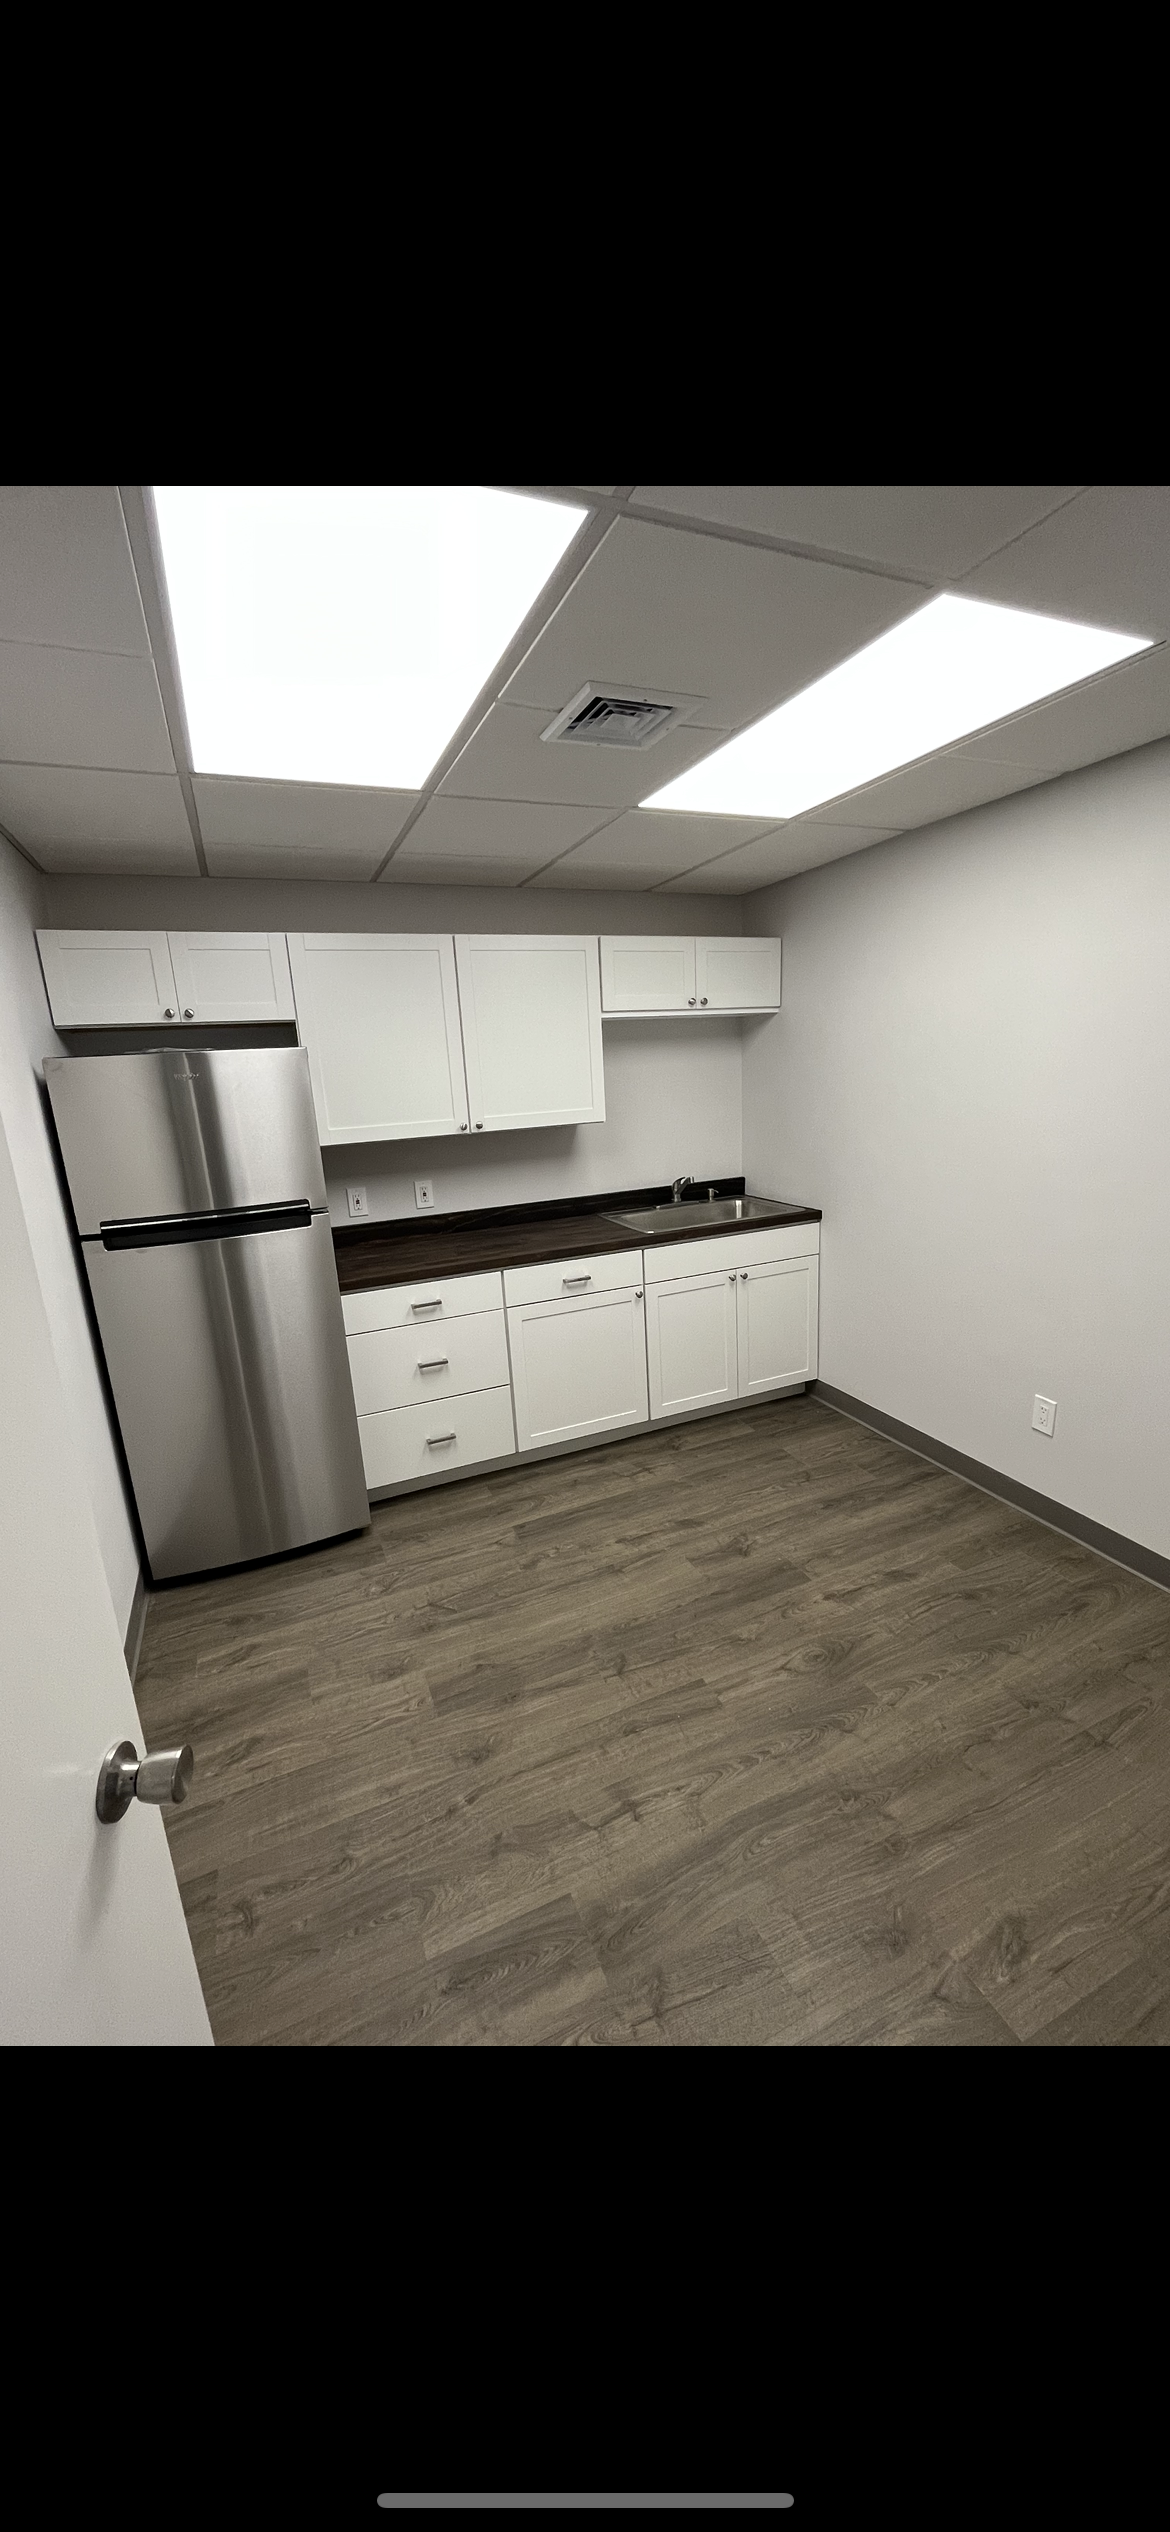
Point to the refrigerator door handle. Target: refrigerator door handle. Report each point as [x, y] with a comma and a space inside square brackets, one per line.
[169, 1230]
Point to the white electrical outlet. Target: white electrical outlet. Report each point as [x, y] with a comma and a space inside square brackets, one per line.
[357, 1201]
[1043, 1415]
[424, 1193]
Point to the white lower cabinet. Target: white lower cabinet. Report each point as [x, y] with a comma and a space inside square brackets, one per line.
[777, 1324]
[691, 1342]
[471, 1368]
[578, 1366]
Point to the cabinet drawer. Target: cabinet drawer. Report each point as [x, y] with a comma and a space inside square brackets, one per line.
[407, 1442]
[417, 1305]
[735, 1249]
[570, 1278]
[402, 1367]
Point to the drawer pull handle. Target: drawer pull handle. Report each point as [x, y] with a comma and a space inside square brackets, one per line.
[437, 1362]
[434, 1439]
[576, 1279]
[428, 1305]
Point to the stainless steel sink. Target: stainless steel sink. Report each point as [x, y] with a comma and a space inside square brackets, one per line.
[661, 1219]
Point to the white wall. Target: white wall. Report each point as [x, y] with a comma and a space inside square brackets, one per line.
[27, 1035]
[672, 1088]
[971, 1075]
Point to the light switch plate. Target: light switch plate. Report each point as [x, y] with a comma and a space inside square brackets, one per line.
[358, 1202]
[1043, 1415]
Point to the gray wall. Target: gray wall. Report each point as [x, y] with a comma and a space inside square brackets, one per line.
[673, 1088]
[27, 1035]
[971, 1075]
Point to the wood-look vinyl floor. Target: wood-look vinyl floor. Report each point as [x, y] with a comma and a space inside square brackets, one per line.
[753, 1731]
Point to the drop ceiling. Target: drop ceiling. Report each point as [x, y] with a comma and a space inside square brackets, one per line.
[739, 594]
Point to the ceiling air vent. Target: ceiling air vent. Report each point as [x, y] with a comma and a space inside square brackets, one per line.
[618, 716]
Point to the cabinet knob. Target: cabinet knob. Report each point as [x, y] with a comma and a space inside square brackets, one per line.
[691, 1000]
[168, 1013]
[638, 1294]
[463, 1129]
[731, 1277]
[703, 1000]
[479, 1125]
[188, 1015]
[743, 1274]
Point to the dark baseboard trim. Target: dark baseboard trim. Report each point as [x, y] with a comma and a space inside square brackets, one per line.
[1055, 1516]
[135, 1626]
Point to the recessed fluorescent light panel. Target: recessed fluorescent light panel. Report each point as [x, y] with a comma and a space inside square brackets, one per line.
[954, 667]
[339, 634]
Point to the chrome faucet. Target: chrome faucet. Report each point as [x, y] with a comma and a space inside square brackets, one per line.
[679, 1184]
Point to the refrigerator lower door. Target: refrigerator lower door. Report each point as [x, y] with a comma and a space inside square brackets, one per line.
[228, 1364]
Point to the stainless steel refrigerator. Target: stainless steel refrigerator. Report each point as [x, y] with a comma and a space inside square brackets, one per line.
[200, 1202]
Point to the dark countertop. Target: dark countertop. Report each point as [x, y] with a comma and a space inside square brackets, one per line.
[517, 1235]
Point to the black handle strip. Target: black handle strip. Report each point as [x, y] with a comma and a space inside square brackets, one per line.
[174, 1230]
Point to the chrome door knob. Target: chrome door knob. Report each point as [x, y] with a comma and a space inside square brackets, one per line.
[123, 1777]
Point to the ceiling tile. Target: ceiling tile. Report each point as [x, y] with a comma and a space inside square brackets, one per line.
[291, 861]
[573, 872]
[447, 870]
[1105, 560]
[798, 846]
[522, 833]
[738, 625]
[508, 760]
[939, 788]
[937, 530]
[73, 819]
[66, 571]
[653, 844]
[1127, 708]
[65, 707]
[331, 820]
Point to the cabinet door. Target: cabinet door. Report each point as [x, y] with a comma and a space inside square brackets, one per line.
[379, 1015]
[577, 1366]
[531, 1010]
[647, 975]
[108, 980]
[777, 1324]
[691, 1342]
[738, 975]
[232, 976]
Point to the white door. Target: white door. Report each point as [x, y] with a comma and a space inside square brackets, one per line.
[777, 1324]
[531, 1007]
[94, 1948]
[578, 1366]
[108, 980]
[226, 976]
[691, 1342]
[379, 1015]
[738, 975]
[647, 975]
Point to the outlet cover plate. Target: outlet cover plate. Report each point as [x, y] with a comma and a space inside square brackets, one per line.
[1043, 1415]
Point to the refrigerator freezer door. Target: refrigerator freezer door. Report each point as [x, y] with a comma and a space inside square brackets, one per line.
[185, 1130]
[228, 1364]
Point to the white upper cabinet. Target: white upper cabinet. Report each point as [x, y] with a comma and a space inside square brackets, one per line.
[648, 976]
[531, 1011]
[738, 975]
[379, 1015]
[108, 980]
[232, 976]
